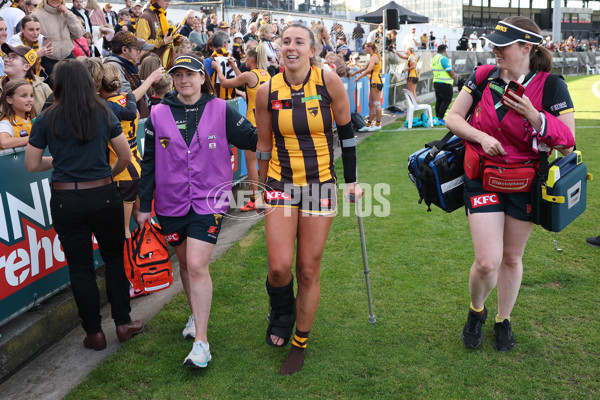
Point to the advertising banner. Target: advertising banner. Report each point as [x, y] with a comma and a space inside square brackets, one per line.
[33, 266]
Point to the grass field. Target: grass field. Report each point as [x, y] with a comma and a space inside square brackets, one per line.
[419, 275]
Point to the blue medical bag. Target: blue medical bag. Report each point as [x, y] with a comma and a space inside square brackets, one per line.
[563, 196]
[437, 172]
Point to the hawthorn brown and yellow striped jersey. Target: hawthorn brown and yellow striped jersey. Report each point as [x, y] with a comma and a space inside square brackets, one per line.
[133, 169]
[220, 92]
[375, 76]
[263, 76]
[302, 124]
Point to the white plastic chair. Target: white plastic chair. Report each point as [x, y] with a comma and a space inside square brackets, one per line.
[590, 70]
[413, 106]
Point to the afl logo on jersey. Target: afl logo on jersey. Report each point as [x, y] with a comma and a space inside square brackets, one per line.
[164, 141]
[212, 136]
[313, 111]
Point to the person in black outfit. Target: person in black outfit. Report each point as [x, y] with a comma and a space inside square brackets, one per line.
[77, 129]
[463, 43]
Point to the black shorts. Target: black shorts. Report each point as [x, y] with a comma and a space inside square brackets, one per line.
[314, 198]
[129, 190]
[377, 86]
[478, 200]
[413, 79]
[204, 227]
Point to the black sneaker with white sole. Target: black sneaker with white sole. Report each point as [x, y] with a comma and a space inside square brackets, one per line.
[593, 241]
[472, 334]
[505, 341]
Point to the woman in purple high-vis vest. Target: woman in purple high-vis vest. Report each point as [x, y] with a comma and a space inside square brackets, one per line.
[186, 169]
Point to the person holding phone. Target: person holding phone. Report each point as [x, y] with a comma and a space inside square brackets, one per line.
[508, 126]
[153, 27]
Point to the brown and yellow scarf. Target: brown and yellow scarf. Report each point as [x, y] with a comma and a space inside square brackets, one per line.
[162, 18]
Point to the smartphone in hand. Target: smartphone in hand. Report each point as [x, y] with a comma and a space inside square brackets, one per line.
[514, 87]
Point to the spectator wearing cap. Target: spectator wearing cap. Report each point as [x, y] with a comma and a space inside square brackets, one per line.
[61, 27]
[126, 50]
[13, 16]
[223, 27]
[237, 49]
[344, 52]
[124, 23]
[19, 63]
[109, 15]
[136, 12]
[82, 14]
[197, 148]
[188, 26]
[154, 28]
[473, 40]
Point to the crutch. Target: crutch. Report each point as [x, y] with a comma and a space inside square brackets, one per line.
[363, 245]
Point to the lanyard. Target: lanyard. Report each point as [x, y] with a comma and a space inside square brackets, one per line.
[501, 90]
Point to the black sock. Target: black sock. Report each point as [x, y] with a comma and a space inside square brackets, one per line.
[295, 359]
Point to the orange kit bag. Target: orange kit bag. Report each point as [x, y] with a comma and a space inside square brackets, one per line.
[146, 259]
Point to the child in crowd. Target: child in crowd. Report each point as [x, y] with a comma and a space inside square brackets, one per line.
[161, 87]
[17, 110]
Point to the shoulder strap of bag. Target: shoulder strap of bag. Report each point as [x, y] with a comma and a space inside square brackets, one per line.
[439, 145]
[547, 100]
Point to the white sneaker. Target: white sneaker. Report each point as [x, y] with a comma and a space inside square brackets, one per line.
[189, 332]
[364, 128]
[374, 128]
[199, 356]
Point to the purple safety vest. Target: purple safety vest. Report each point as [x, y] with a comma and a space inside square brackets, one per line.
[198, 176]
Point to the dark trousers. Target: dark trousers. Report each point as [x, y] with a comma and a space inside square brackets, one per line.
[76, 215]
[443, 98]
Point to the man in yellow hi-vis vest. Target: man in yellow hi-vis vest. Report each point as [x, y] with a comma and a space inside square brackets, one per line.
[443, 80]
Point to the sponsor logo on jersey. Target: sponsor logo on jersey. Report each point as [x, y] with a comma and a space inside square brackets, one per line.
[277, 195]
[213, 230]
[484, 200]
[325, 203]
[164, 141]
[173, 237]
[281, 104]
[315, 97]
[212, 145]
[558, 106]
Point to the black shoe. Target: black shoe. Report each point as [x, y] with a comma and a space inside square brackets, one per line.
[472, 334]
[593, 241]
[505, 341]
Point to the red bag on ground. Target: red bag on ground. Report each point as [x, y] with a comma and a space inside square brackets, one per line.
[146, 259]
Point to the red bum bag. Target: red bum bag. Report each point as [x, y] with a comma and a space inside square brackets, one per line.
[499, 177]
[508, 178]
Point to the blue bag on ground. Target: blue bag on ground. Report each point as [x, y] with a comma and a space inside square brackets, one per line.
[437, 172]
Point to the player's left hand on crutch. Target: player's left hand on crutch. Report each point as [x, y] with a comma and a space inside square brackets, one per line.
[352, 192]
